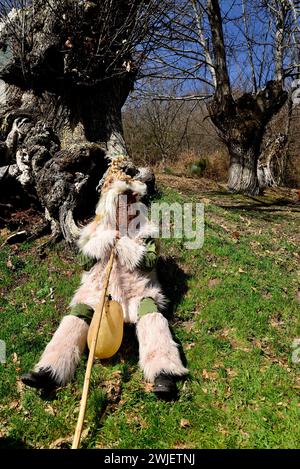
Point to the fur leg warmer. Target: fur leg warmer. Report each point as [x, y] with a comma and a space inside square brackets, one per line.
[158, 351]
[63, 352]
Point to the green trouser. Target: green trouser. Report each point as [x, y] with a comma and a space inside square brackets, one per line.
[85, 312]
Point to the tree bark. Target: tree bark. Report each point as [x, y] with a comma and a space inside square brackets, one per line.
[243, 170]
[241, 122]
[56, 146]
[67, 78]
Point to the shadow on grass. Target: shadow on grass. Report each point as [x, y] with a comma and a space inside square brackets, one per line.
[260, 208]
[12, 443]
[276, 211]
[174, 283]
[261, 204]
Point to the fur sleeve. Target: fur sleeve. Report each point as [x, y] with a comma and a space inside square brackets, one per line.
[130, 252]
[86, 233]
[96, 242]
[148, 230]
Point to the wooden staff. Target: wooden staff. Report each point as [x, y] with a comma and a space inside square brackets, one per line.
[98, 318]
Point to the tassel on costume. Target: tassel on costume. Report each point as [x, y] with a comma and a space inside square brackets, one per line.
[63, 352]
[158, 351]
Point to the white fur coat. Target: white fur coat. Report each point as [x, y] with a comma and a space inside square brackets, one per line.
[128, 284]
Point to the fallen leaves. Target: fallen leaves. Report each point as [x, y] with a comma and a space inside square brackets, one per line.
[61, 443]
[148, 387]
[225, 228]
[212, 375]
[267, 295]
[66, 442]
[189, 346]
[226, 332]
[136, 420]
[181, 445]
[222, 430]
[206, 201]
[50, 410]
[218, 373]
[9, 264]
[20, 386]
[231, 373]
[276, 323]
[113, 388]
[189, 326]
[213, 282]
[14, 405]
[185, 423]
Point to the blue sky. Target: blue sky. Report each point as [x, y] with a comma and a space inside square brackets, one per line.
[237, 54]
[261, 31]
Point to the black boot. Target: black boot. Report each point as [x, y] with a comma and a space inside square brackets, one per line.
[165, 386]
[42, 379]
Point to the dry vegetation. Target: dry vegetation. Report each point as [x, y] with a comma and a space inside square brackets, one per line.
[173, 136]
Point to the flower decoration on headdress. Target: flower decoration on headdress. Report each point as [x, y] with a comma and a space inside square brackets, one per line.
[120, 168]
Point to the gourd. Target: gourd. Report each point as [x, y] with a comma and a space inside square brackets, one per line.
[111, 330]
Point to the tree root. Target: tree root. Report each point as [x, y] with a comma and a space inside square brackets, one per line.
[68, 226]
[10, 171]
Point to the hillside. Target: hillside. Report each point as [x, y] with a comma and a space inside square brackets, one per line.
[235, 314]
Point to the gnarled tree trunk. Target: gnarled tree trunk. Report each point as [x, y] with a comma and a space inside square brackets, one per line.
[241, 122]
[55, 146]
[242, 127]
[67, 76]
[242, 176]
[272, 165]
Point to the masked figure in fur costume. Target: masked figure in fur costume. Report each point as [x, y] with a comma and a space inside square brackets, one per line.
[132, 283]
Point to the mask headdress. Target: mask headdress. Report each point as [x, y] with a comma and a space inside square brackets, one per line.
[119, 166]
[121, 177]
[117, 171]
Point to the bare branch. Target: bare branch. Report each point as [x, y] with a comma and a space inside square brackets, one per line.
[203, 42]
[249, 46]
[158, 97]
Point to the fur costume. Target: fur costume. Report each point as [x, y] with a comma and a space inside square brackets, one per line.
[129, 285]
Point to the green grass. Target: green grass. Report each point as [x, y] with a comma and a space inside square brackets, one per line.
[236, 323]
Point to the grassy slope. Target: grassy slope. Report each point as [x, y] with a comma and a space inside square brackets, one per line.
[236, 324]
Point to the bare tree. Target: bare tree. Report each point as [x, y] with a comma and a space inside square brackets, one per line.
[157, 128]
[69, 67]
[248, 43]
[242, 121]
[295, 34]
